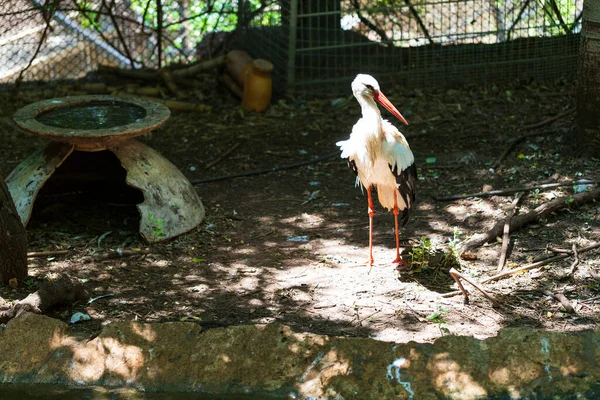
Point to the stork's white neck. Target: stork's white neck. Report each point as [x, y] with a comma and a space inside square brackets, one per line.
[370, 112]
[368, 107]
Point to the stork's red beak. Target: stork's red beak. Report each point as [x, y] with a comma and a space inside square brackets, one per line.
[381, 99]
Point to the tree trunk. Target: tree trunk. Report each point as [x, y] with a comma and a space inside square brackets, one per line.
[13, 239]
[588, 82]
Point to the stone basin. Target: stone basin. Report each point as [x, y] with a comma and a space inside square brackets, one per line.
[171, 205]
[91, 123]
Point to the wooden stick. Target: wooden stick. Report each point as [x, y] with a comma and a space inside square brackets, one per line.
[563, 300]
[538, 264]
[523, 219]
[118, 254]
[129, 73]
[529, 188]
[506, 233]
[232, 85]
[175, 105]
[591, 299]
[514, 143]
[455, 274]
[222, 156]
[33, 254]
[167, 78]
[550, 120]
[266, 171]
[575, 261]
[201, 67]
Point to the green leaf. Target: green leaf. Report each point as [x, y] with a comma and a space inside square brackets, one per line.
[430, 160]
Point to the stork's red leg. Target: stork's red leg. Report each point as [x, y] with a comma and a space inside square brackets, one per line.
[398, 261]
[371, 212]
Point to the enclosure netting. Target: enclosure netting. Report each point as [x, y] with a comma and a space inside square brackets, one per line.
[316, 46]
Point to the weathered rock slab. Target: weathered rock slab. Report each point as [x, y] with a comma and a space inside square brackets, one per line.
[274, 360]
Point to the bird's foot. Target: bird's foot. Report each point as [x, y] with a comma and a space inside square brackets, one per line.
[400, 264]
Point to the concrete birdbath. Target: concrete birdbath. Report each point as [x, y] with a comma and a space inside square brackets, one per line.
[171, 206]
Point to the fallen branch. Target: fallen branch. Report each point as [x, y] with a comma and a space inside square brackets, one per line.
[265, 171]
[551, 119]
[563, 300]
[506, 232]
[222, 156]
[33, 254]
[521, 220]
[456, 275]
[175, 105]
[167, 77]
[504, 192]
[201, 67]
[539, 263]
[147, 75]
[575, 261]
[514, 143]
[232, 85]
[65, 290]
[117, 254]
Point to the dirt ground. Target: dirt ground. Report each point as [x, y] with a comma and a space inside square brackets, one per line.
[291, 246]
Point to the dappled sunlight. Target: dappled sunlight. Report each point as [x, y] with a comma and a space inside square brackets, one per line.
[449, 380]
[145, 331]
[322, 369]
[95, 359]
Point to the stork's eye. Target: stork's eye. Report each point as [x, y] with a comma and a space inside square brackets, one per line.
[370, 87]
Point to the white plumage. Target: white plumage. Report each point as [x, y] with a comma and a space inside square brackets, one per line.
[380, 155]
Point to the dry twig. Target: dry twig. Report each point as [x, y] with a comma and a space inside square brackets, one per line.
[538, 264]
[508, 191]
[506, 233]
[117, 254]
[457, 276]
[514, 143]
[266, 171]
[33, 254]
[575, 261]
[222, 156]
[200, 67]
[524, 219]
[563, 300]
[550, 120]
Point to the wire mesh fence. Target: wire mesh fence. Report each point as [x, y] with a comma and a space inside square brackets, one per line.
[315, 45]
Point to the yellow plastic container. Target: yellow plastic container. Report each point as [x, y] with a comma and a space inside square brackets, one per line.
[258, 86]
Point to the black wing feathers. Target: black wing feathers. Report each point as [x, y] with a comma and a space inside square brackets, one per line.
[407, 181]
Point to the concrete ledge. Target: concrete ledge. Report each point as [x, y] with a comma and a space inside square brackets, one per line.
[274, 360]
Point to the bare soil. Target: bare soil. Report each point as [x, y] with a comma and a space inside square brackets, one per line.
[291, 246]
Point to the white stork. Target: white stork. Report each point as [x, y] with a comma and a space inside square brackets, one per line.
[381, 157]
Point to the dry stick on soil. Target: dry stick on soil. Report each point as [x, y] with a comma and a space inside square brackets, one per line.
[201, 67]
[222, 156]
[266, 171]
[523, 219]
[575, 261]
[514, 143]
[563, 300]
[550, 120]
[64, 290]
[529, 188]
[167, 77]
[456, 275]
[506, 233]
[32, 254]
[539, 263]
[118, 254]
